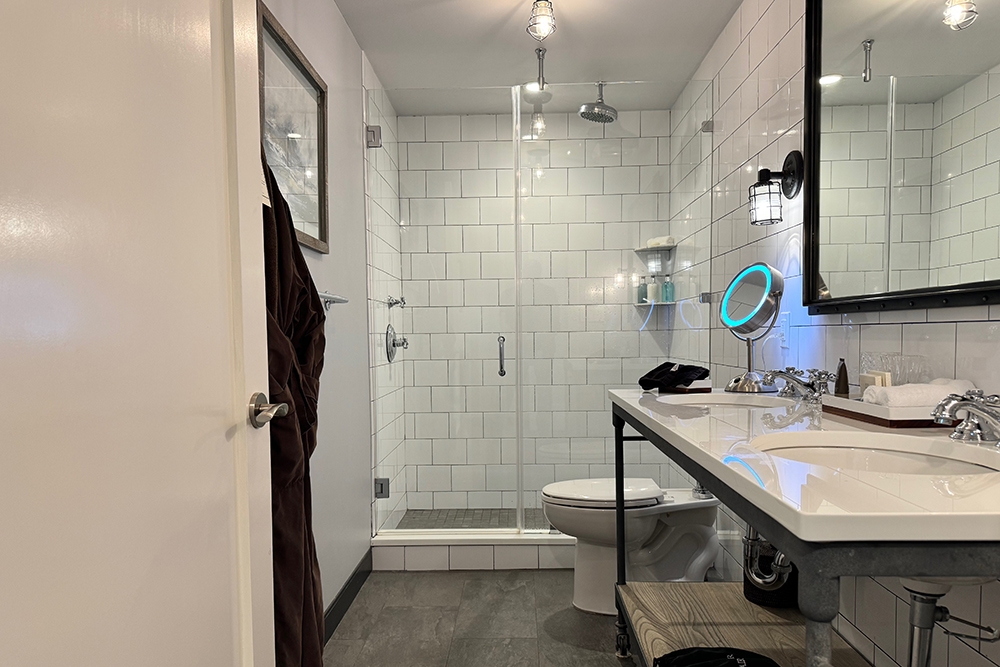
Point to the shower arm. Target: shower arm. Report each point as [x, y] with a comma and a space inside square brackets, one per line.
[540, 52]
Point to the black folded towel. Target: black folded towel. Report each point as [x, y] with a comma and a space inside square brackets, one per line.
[671, 376]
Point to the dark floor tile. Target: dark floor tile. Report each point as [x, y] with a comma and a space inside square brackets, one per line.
[411, 636]
[576, 630]
[493, 653]
[421, 589]
[554, 588]
[497, 605]
[342, 653]
[357, 622]
[555, 654]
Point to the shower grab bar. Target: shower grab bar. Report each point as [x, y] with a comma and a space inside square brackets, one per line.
[501, 340]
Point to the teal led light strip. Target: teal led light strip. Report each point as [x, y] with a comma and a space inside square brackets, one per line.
[732, 459]
[731, 323]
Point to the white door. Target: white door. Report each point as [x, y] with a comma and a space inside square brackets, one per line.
[134, 496]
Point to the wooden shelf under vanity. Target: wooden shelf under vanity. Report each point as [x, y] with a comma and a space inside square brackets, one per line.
[665, 617]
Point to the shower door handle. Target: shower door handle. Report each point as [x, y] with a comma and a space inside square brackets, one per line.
[501, 340]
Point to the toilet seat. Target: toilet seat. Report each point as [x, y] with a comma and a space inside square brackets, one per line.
[600, 493]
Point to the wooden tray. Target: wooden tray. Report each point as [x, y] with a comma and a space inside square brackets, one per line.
[881, 415]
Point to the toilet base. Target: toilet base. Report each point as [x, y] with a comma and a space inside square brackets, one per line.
[594, 578]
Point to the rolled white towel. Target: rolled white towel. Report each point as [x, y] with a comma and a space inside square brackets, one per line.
[659, 241]
[916, 395]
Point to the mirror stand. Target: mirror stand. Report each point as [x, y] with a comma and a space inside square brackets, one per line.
[749, 382]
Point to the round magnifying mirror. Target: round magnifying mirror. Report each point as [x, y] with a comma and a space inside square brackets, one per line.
[749, 304]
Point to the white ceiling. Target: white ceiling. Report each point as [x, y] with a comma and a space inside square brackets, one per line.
[911, 43]
[430, 53]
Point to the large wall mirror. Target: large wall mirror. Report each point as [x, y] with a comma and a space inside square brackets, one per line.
[903, 151]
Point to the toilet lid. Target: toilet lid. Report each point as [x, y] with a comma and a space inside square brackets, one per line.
[639, 492]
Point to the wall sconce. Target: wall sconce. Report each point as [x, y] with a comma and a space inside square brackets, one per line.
[959, 15]
[765, 194]
[542, 22]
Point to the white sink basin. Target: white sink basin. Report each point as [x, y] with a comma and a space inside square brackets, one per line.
[726, 400]
[880, 453]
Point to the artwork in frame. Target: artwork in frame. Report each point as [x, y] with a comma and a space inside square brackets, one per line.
[293, 101]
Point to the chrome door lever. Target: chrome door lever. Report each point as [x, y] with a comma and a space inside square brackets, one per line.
[261, 412]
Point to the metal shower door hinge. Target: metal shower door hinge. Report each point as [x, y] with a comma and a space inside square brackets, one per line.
[373, 133]
[705, 297]
[708, 126]
[381, 487]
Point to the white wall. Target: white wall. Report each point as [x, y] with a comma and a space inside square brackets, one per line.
[341, 466]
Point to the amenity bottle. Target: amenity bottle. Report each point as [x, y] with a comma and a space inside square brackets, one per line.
[667, 291]
[643, 291]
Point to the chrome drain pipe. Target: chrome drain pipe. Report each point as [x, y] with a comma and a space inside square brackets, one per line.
[781, 567]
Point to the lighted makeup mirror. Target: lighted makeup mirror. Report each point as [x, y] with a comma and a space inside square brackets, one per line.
[750, 304]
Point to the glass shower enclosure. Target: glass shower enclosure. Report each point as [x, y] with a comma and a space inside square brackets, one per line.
[524, 233]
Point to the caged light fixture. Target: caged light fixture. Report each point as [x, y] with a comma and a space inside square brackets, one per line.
[765, 194]
[542, 22]
[959, 15]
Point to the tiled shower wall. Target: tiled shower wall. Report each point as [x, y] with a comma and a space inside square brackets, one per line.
[384, 280]
[756, 66]
[854, 176]
[965, 178]
[592, 194]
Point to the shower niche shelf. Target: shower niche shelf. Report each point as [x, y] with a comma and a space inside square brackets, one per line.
[658, 260]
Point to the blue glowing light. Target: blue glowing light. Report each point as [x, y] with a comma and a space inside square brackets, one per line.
[728, 321]
[652, 305]
[732, 459]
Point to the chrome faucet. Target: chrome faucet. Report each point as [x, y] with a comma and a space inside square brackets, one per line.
[982, 416]
[809, 385]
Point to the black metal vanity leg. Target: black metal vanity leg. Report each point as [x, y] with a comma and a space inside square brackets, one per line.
[819, 602]
[622, 648]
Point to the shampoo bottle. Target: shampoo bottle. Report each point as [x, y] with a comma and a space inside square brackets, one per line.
[667, 295]
[643, 291]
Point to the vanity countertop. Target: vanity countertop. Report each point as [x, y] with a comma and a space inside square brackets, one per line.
[823, 502]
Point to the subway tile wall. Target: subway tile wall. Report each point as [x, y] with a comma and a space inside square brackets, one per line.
[591, 195]
[384, 280]
[756, 66]
[965, 180]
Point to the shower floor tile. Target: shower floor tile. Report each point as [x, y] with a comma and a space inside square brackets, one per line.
[459, 519]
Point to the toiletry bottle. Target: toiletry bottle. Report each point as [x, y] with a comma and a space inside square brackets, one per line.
[667, 295]
[842, 387]
[643, 291]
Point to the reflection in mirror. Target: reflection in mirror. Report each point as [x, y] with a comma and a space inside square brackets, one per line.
[909, 165]
[750, 302]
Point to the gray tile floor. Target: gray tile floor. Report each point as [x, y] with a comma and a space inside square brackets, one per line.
[471, 619]
[534, 519]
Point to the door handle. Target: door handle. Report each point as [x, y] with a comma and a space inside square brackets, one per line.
[261, 412]
[501, 340]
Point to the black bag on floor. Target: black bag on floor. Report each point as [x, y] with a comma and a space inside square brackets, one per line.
[713, 657]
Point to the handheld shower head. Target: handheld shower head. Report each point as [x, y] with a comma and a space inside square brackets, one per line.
[599, 112]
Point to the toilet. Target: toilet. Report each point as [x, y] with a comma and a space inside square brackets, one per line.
[670, 535]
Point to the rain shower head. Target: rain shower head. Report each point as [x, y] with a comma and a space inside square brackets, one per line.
[599, 112]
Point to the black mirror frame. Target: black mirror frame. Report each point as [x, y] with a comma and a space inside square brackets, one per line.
[968, 294]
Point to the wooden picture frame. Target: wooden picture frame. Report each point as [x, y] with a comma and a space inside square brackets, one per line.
[293, 110]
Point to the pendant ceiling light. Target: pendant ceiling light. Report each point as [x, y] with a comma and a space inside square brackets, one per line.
[543, 20]
[959, 15]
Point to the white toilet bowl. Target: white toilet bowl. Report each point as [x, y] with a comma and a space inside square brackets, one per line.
[669, 535]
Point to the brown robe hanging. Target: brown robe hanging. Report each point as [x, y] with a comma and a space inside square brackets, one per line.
[295, 346]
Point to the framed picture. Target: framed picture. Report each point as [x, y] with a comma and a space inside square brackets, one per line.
[293, 130]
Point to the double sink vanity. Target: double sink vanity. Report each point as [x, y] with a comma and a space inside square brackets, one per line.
[837, 497]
